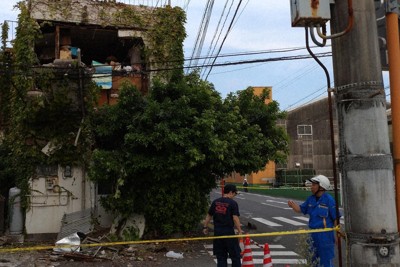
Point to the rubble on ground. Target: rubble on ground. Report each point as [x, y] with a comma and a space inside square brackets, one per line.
[149, 254]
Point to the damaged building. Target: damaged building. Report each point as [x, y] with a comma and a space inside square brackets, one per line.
[110, 43]
[98, 34]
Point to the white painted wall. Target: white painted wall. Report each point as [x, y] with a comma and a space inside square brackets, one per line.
[49, 204]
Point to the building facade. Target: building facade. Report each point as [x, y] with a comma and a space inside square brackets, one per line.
[106, 42]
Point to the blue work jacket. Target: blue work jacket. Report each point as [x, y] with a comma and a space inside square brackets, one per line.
[322, 212]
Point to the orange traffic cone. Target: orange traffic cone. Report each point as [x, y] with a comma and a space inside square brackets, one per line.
[247, 255]
[267, 256]
[241, 245]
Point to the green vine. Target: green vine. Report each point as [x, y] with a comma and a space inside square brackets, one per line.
[165, 41]
[50, 107]
[5, 77]
[4, 35]
[129, 16]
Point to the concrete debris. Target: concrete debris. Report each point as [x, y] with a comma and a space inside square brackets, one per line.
[175, 255]
[134, 255]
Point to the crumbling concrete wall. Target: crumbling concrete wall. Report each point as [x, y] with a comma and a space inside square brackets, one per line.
[91, 12]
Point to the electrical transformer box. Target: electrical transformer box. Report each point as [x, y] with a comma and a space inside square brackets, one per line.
[310, 12]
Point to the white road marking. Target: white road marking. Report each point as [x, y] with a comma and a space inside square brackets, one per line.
[264, 221]
[275, 261]
[293, 222]
[275, 253]
[280, 202]
[306, 219]
[301, 218]
[286, 208]
[210, 246]
[258, 255]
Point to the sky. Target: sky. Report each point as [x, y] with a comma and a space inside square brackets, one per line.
[260, 30]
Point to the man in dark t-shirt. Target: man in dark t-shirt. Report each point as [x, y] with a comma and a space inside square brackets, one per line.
[225, 213]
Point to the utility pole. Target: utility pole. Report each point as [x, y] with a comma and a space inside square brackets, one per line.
[365, 161]
[392, 33]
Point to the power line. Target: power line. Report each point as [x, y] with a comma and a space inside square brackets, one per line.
[202, 30]
[241, 12]
[245, 68]
[186, 6]
[302, 73]
[306, 56]
[240, 62]
[223, 41]
[200, 47]
[216, 30]
[298, 101]
[248, 53]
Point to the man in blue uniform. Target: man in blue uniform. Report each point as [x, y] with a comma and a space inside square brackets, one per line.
[321, 208]
[225, 213]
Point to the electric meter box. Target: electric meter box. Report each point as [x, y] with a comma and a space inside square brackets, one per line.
[310, 12]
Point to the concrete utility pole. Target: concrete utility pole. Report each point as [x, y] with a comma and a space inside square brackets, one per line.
[392, 33]
[365, 160]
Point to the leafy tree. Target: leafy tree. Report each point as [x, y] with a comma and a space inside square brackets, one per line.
[261, 139]
[164, 152]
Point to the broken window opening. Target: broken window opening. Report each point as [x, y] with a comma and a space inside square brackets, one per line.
[99, 48]
[96, 44]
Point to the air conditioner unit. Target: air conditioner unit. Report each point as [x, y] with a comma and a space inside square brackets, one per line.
[310, 12]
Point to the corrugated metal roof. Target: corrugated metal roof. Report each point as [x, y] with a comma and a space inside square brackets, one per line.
[79, 221]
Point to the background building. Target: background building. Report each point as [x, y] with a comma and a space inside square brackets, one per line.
[310, 139]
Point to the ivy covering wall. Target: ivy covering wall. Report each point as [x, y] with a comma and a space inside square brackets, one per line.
[45, 106]
[50, 107]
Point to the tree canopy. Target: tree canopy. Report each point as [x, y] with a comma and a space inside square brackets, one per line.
[162, 153]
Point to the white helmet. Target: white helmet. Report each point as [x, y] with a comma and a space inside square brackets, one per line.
[323, 181]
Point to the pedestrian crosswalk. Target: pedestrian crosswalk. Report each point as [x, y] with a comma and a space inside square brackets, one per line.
[279, 255]
[282, 221]
[289, 221]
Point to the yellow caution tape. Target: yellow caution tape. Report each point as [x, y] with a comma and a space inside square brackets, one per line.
[4, 250]
[267, 187]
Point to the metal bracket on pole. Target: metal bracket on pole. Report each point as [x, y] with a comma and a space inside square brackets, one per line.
[392, 6]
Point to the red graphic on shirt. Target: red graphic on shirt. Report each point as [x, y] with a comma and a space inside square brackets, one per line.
[221, 207]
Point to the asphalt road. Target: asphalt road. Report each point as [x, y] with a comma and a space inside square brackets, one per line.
[259, 215]
[265, 214]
